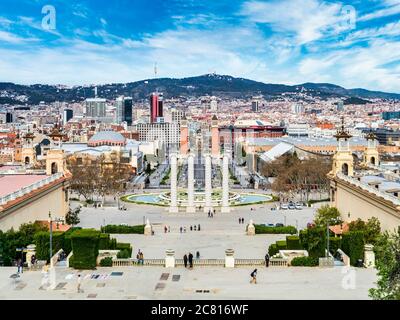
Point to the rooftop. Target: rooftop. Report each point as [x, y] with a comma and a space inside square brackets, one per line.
[13, 183]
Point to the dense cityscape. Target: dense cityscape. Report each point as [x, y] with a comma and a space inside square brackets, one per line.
[208, 186]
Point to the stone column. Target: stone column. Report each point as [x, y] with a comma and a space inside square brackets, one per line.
[174, 184]
[208, 185]
[251, 229]
[225, 185]
[170, 258]
[369, 256]
[229, 259]
[190, 189]
[147, 228]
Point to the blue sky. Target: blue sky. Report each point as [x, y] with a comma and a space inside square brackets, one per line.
[353, 43]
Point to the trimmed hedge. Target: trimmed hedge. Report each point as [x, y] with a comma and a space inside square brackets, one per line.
[304, 262]
[106, 262]
[272, 250]
[335, 243]
[85, 245]
[353, 245]
[104, 241]
[124, 254]
[293, 243]
[42, 242]
[281, 245]
[260, 229]
[124, 246]
[121, 229]
[314, 241]
[67, 247]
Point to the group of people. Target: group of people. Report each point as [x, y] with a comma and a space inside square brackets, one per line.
[241, 220]
[140, 257]
[191, 228]
[188, 260]
[211, 213]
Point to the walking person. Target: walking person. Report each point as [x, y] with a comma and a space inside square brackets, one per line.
[185, 260]
[20, 266]
[197, 255]
[180, 229]
[253, 276]
[142, 258]
[190, 260]
[198, 229]
[267, 260]
[191, 228]
[79, 283]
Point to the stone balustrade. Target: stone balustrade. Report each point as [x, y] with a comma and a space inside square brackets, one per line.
[30, 188]
[370, 189]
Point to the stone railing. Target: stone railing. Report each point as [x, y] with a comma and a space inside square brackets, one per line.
[345, 257]
[274, 262]
[370, 189]
[30, 188]
[249, 262]
[203, 262]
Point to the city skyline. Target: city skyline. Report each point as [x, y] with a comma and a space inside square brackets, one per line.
[95, 42]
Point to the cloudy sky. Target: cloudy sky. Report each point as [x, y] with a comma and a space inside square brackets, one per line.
[353, 43]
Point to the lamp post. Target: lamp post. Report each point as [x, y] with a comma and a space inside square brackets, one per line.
[327, 239]
[51, 235]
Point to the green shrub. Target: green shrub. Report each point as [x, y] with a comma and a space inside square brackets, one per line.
[281, 245]
[85, 245]
[124, 246]
[314, 241]
[121, 229]
[305, 262]
[106, 262]
[335, 243]
[67, 246]
[293, 243]
[104, 241]
[353, 245]
[261, 229]
[42, 242]
[124, 254]
[272, 250]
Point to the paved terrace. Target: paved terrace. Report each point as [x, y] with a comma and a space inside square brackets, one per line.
[215, 283]
[217, 234]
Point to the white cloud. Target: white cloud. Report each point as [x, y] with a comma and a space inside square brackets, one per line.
[308, 20]
[393, 9]
[14, 39]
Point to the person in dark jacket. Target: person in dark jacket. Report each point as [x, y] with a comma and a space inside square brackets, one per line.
[185, 260]
[190, 260]
[253, 276]
[267, 260]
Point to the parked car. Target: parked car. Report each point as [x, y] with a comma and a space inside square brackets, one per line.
[291, 206]
[270, 224]
[284, 206]
[279, 225]
[299, 206]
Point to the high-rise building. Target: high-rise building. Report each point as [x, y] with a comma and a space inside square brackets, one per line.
[95, 107]
[389, 115]
[156, 107]
[123, 110]
[213, 104]
[255, 106]
[297, 108]
[68, 114]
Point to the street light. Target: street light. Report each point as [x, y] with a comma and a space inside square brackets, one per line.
[51, 236]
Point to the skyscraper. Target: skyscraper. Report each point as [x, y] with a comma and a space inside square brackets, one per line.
[123, 110]
[156, 107]
[67, 115]
[255, 105]
[95, 107]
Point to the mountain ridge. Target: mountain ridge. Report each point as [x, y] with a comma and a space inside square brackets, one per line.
[208, 84]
